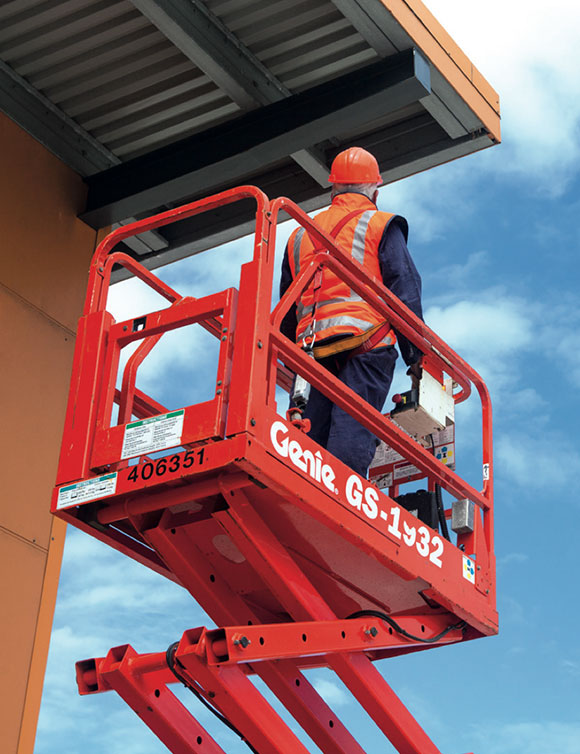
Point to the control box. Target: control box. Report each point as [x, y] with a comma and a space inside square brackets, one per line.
[427, 409]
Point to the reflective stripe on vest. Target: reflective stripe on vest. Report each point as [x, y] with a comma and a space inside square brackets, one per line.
[353, 324]
[296, 249]
[358, 242]
[302, 310]
[360, 232]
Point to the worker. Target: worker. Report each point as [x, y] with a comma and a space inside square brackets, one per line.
[346, 335]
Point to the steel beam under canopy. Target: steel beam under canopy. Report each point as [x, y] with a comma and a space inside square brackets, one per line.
[207, 42]
[65, 138]
[47, 123]
[229, 152]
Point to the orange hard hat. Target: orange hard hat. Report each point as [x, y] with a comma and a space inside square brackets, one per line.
[355, 165]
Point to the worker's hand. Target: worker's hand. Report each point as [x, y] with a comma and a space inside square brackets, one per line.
[415, 372]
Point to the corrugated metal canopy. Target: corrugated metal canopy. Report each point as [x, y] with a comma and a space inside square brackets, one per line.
[157, 102]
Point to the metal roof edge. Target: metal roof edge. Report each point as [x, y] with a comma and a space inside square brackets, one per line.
[436, 44]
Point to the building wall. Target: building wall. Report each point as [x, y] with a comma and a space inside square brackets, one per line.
[45, 251]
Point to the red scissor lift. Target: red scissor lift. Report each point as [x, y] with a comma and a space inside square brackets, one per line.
[299, 561]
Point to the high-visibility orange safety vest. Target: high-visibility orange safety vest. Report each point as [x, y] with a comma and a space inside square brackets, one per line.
[339, 310]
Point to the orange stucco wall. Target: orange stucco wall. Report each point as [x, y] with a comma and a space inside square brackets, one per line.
[44, 256]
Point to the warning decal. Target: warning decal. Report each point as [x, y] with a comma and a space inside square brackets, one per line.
[468, 569]
[390, 467]
[156, 433]
[90, 489]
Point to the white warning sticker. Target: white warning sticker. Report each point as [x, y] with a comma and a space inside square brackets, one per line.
[90, 489]
[386, 480]
[402, 472]
[155, 433]
[384, 454]
[468, 569]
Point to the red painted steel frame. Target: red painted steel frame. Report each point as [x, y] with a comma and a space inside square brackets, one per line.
[142, 681]
[276, 539]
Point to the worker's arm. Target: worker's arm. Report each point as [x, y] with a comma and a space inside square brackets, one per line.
[289, 323]
[402, 278]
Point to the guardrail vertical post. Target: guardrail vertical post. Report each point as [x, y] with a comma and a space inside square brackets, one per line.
[251, 359]
[86, 385]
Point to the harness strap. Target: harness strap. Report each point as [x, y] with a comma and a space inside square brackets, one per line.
[343, 221]
[357, 344]
[318, 276]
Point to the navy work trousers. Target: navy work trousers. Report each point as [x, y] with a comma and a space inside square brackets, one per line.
[369, 375]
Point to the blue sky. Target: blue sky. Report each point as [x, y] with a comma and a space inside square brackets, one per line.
[496, 238]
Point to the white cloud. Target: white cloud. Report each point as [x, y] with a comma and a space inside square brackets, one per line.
[425, 708]
[526, 401]
[546, 460]
[526, 51]
[571, 667]
[106, 600]
[132, 298]
[512, 611]
[425, 200]
[70, 724]
[490, 330]
[498, 334]
[493, 327]
[434, 202]
[219, 268]
[561, 333]
[457, 276]
[331, 692]
[568, 347]
[513, 558]
[98, 580]
[528, 62]
[547, 737]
